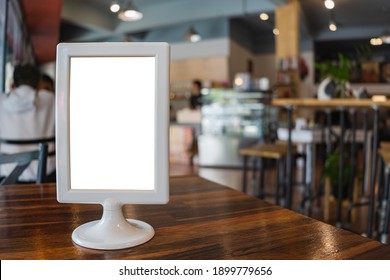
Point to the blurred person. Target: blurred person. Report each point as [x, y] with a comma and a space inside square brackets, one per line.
[46, 83]
[27, 112]
[196, 95]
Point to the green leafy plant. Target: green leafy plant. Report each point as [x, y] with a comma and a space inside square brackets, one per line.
[339, 72]
[331, 170]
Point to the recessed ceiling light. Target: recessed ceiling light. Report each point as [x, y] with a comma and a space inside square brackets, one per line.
[276, 31]
[114, 7]
[264, 16]
[329, 4]
[129, 13]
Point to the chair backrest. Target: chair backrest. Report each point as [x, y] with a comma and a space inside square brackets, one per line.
[27, 141]
[23, 159]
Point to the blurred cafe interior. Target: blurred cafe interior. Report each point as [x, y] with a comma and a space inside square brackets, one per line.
[285, 101]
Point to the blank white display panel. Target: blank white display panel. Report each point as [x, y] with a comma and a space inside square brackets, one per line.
[112, 118]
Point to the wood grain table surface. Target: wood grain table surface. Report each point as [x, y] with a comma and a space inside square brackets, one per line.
[203, 220]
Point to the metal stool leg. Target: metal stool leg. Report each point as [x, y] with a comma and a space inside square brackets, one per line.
[289, 187]
[307, 195]
[244, 175]
[373, 173]
[380, 198]
[341, 170]
[278, 168]
[261, 179]
[254, 175]
[351, 179]
[386, 208]
[284, 180]
[365, 158]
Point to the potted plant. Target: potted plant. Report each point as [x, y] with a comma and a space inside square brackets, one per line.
[336, 77]
[331, 170]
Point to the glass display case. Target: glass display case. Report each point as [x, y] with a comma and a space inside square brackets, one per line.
[232, 120]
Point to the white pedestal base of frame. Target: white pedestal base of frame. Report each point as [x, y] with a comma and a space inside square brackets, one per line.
[113, 231]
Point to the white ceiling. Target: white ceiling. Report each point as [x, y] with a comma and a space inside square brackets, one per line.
[91, 20]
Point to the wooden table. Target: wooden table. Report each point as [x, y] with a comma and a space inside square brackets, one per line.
[203, 220]
[340, 104]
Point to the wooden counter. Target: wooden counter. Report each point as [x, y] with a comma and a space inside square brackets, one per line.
[203, 220]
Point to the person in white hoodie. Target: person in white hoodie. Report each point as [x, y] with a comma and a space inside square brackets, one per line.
[26, 113]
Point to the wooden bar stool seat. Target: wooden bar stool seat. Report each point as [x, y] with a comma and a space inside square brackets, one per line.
[385, 145]
[274, 151]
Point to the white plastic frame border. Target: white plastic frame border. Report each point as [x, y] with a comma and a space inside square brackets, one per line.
[161, 52]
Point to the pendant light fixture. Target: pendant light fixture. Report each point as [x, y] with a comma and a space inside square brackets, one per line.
[332, 26]
[126, 10]
[192, 35]
[332, 23]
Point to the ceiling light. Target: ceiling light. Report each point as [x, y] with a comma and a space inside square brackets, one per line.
[264, 16]
[276, 31]
[129, 13]
[115, 7]
[329, 4]
[332, 26]
[385, 37]
[376, 41]
[192, 35]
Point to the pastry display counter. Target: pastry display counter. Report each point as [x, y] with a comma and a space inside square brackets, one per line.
[230, 121]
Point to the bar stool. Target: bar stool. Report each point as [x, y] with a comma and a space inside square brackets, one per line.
[274, 151]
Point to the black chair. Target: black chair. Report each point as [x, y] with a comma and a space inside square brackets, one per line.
[23, 159]
[261, 152]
